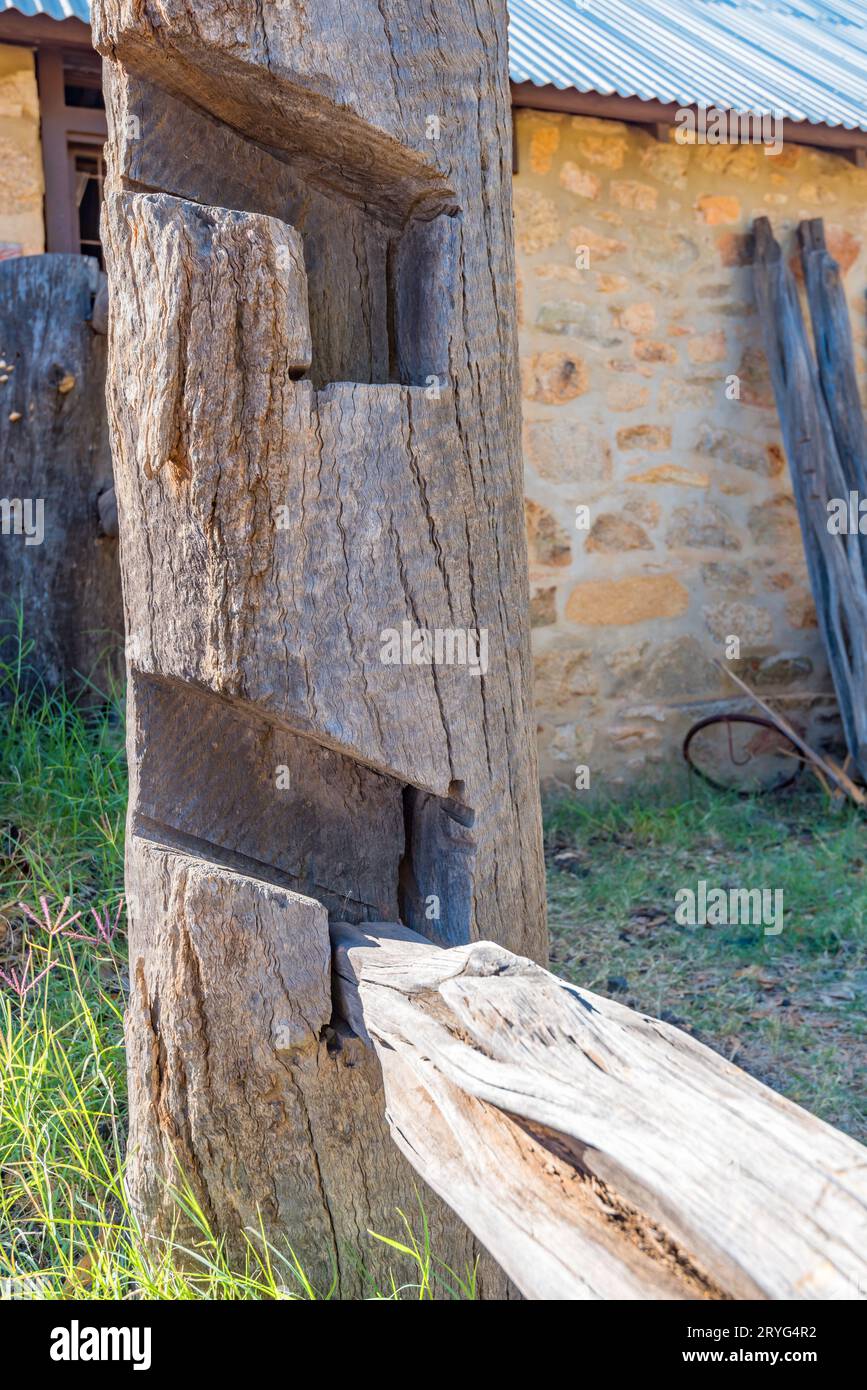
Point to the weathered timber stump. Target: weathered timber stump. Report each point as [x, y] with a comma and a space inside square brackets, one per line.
[314, 411]
[58, 548]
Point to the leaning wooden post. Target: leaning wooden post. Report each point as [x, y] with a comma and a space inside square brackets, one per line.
[823, 445]
[314, 413]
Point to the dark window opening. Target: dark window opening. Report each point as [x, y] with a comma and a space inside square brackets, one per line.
[82, 81]
[88, 172]
[73, 129]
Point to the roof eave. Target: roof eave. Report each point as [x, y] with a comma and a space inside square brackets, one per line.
[640, 112]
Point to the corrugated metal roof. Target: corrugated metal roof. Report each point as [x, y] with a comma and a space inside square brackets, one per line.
[55, 9]
[804, 59]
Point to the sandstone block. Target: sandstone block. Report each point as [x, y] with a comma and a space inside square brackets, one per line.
[553, 377]
[579, 181]
[547, 542]
[637, 197]
[718, 208]
[707, 347]
[621, 602]
[650, 437]
[702, 526]
[670, 473]
[537, 222]
[752, 625]
[611, 534]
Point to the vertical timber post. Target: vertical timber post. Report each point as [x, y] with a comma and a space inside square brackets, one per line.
[314, 412]
[58, 535]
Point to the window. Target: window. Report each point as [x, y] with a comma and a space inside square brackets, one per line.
[73, 133]
[82, 79]
[88, 172]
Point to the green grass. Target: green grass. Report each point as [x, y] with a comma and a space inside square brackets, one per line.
[66, 1228]
[789, 1008]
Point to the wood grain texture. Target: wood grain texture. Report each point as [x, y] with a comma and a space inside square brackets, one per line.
[344, 92]
[161, 143]
[415, 506]
[314, 409]
[835, 355]
[823, 432]
[596, 1152]
[57, 452]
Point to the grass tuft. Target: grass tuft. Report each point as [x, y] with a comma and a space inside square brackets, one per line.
[66, 1228]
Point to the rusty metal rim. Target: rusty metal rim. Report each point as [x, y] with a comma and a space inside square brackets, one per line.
[741, 719]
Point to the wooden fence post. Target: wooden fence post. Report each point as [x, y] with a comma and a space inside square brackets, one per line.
[823, 431]
[58, 547]
[314, 412]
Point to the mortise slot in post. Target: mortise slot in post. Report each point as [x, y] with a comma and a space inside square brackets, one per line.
[435, 890]
[379, 290]
[217, 782]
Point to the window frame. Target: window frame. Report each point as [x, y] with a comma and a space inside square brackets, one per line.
[64, 130]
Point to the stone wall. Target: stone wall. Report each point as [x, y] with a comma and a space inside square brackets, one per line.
[21, 225]
[630, 411]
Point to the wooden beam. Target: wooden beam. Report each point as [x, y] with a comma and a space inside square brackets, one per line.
[596, 1152]
[61, 232]
[39, 29]
[656, 113]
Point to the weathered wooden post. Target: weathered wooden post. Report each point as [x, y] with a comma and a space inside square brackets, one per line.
[314, 413]
[824, 433]
[58, 547]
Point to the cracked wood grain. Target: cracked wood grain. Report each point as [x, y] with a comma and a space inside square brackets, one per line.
[313, 404]
[596, 1152]
[823, 431]
[55, 451]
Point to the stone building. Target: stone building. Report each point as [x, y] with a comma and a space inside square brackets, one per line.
[660, 515]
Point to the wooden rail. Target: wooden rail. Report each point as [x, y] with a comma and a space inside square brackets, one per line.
[596, 1152]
